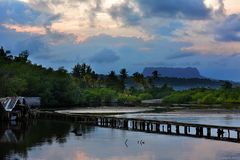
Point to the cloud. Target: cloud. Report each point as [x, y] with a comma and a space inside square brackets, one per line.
[132, 12]
[180, 55]
[168, 29]
[35, 45]
[105, 56]
[26, 28]
[126, 12]
[229, 29]
[210, 37]
[194, 9]
[16, 12]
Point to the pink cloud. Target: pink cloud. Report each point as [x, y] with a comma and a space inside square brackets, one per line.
[26, 28]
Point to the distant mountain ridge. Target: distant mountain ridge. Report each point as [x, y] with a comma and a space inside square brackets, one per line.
[188, 72]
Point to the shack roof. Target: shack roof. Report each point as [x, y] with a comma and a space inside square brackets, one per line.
[9, 103]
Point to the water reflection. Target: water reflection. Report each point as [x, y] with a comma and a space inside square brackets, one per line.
[19, 137]
[55, 140]
[212, 119]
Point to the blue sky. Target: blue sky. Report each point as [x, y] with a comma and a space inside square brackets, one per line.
[112, 34]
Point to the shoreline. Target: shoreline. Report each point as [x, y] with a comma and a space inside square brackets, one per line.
[149, 109]
[105, 110]
[205, 111]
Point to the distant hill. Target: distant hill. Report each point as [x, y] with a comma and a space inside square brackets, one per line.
[188, 72]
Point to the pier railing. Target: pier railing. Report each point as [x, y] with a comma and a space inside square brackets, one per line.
[221, 133]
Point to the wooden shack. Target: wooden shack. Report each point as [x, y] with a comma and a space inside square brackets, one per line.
[16, 108]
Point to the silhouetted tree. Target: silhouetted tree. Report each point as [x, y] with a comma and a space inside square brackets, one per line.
[5, 54]
[2, 52]
[112, 81]
[139, 79]
[61, 70]
[123, 77]
[22, 57]
[76, 72]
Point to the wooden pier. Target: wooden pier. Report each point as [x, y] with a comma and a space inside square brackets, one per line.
[214, 132]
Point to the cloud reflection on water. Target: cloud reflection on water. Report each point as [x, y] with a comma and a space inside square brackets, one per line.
[83, 156]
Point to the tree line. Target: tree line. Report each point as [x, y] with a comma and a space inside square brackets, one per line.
[80, 87]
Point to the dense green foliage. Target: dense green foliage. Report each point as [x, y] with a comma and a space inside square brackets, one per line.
[226, 94]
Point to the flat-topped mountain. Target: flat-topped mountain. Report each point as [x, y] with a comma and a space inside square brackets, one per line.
[188, 72]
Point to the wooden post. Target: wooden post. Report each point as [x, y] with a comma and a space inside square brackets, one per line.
[148, 126]
[96, 121]
[157, 127]
[136, 125]
[169, 128]
[111, 122]
[143, 126]
[201, 131]
[107, 122]
[115, 123]
[185, 130]
[238, 135]
[209, 132]
[101, 121]
[151, 126]
[177, 129]
[197, 131]
[218, 133]
[125, 125]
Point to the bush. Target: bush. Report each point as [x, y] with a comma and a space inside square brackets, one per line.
[98, 96]
[124, 98]
[209, 99]
[144, 96]
[178, 97]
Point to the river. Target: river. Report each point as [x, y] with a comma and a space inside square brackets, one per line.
[50, 140]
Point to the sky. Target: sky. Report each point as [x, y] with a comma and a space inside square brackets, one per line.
[132, 34]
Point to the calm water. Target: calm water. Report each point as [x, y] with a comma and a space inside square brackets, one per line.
[213, 119]
[50, 140]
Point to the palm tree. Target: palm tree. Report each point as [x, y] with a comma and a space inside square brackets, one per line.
[123, 77]
[151, 80]
[139, 78]
[76, 72]
[112, 80]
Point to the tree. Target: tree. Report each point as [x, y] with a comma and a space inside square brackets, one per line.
[227, 85]
[5, 54]
[2, 52]
[88, 78]
[112, 75]
[62, 70]
[112, 81]
[76, 72]
[88, 70]
[83, 69]
[123, 77]
[139, 79]
[22, 57]
[80, 70]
